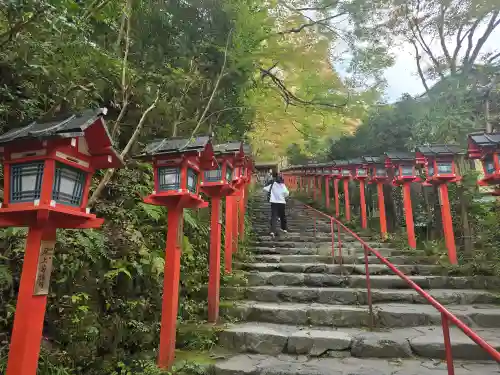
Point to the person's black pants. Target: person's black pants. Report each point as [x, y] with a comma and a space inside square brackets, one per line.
[278, 211]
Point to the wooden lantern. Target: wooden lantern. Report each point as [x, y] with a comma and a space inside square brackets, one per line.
[177, 165]
[402, 165]
[377, 171]
[486, 147]
[48, 167]
[439, 163]
[403, 168]
[378, 175]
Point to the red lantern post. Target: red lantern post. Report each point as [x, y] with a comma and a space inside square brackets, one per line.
[440, 166]
[345, 176]
[486, 147]
[241, 154]
[176, 166]
[336, 174]
[48, 169]
[361, 174]
[378, 175]
[218, 183]
[403, 165]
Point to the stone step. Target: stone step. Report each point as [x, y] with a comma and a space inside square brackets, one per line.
[283, 241]
[259, 364]
[256, 278]
[385, 315]
[357, 296]
[319, 250]
[399, 259]
[345, 269]
[425, 342]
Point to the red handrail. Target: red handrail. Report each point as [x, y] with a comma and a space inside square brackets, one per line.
[446, 316]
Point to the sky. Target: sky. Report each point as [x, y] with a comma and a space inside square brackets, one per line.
[402, 77]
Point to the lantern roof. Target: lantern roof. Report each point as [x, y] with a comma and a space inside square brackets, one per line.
[440, 150]
[229, 148]
[341, 163]
[168, 146]
[68, 126]
[356, 161]
[88, 124]
[373, 159]
[485, 139]
[400, 156]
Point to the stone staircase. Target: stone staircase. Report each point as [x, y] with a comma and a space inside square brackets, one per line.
[305, 311]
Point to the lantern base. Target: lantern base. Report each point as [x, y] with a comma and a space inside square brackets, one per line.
[60, 216]
[173, 199]
[218, 190]
[492, 179]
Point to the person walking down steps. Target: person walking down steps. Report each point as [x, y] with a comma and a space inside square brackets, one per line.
[277, 193]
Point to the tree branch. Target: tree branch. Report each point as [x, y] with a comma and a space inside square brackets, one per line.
[318, 8]
[470, 41]
[493, 58]
[289, 97]
[298, 29]
[110, 172]
[419, 67]
[442, 39]
[124, 84]
[492, 24]
[19, 26]
[214, 91]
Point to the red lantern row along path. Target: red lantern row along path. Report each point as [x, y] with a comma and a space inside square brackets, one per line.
[225, 170]
[438, 162]
[48, 168]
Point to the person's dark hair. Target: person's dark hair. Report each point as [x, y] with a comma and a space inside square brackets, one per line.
[279, 179]
[275, 175]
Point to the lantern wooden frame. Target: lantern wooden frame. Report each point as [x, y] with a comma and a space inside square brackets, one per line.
[183, 155]
[398, 162]
[486, 147]
[431, 157]
[78, 144]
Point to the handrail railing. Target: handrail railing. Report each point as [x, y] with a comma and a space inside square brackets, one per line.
[446, 316]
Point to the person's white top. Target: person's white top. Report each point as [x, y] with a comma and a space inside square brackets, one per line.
[278, 193]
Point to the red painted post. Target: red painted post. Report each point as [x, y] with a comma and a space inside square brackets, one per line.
[315, 188]
[241, 222]
[362, 203]
[449, 236]
[381, 209]
[214, 266]
[171, 278]
[236, 215]
[337, 200]
[228, 245]
[30, 308]
[410, 229]
[346, 199]
[327, 192]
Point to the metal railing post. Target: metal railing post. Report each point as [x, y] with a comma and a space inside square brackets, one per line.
[369, 289]
[447, 344]
[332, 231]
[339, 240]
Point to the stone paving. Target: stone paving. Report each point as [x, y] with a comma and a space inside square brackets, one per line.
[305, 311]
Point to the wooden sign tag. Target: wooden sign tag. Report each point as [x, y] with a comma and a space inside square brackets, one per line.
[44, 270]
